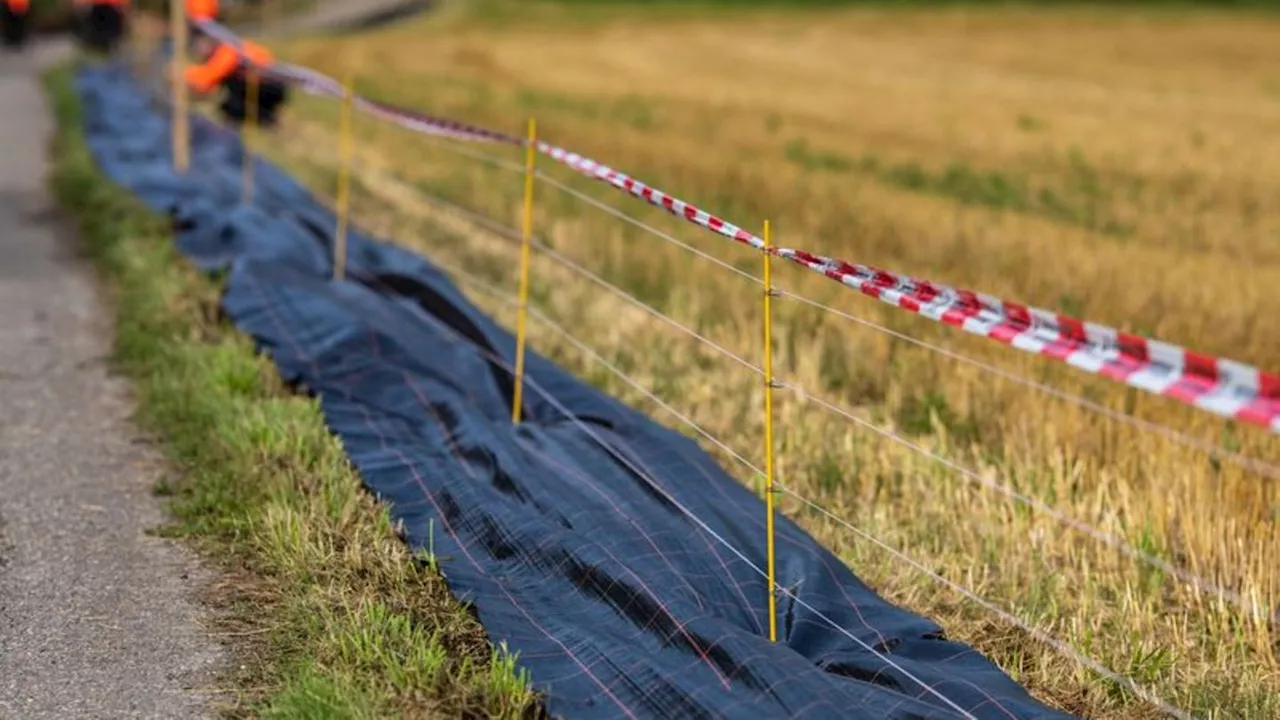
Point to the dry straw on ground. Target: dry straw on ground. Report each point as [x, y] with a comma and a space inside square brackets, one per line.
[1116, 166]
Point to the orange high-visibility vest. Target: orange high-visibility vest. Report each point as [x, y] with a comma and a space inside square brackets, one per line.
[202, 9]
[224, 62]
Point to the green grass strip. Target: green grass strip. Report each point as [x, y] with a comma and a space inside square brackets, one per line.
[326, 612]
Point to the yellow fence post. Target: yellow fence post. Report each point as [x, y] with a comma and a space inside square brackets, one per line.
[247, 131]
[178, 33]
[526, 241]
[768, 431]
[344, 183]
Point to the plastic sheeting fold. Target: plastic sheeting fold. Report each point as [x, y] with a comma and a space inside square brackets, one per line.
[571, 534]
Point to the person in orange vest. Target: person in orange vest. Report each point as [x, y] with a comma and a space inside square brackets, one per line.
[221, 66]
[102, 23]
[13, 22]
[202, 9]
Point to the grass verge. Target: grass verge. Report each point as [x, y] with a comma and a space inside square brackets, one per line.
[326, 610]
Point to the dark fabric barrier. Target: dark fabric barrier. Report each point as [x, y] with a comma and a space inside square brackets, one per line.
[572, 533]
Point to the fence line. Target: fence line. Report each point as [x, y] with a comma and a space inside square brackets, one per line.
[1224, 387]
[1062, 647]
[1111, 540]
[906, 293]
[1217, 451]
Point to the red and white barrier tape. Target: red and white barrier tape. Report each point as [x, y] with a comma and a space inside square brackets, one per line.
[626, 183]
[1224, 387]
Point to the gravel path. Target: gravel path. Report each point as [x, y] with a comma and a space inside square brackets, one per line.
[97, 619]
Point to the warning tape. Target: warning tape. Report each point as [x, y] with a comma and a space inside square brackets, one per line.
[1224, 387]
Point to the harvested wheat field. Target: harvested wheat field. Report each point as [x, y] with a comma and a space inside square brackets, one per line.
[1117, 165]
